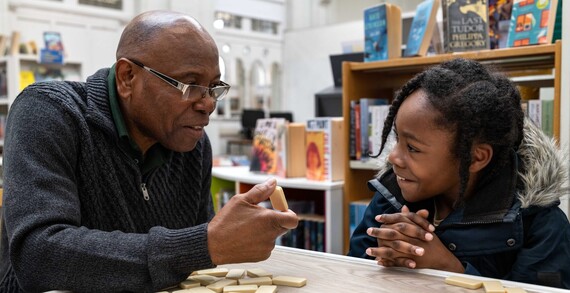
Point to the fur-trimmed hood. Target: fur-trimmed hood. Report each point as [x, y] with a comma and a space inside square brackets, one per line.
[545, 176]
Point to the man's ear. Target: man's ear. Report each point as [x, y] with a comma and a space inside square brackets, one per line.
[481, 155]
[123, 78]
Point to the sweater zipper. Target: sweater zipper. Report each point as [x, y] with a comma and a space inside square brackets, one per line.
[145, 192]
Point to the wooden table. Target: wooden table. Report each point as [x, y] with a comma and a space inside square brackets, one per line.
[327, 272]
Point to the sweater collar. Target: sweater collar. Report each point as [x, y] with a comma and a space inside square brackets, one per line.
[155, 156]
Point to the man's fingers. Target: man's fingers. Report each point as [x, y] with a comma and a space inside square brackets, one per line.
[288, 220]
[260, 192]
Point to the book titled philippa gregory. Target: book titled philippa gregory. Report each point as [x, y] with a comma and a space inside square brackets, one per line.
[465, 25]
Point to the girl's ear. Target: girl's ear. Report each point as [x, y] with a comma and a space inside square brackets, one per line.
[480, 156]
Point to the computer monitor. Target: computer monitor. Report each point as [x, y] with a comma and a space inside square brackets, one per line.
[248, 120]
[287, 115]
[328, 102]
[336, 64]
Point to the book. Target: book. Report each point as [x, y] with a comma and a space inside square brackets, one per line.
[3, 44]
[269, 149]
[422, 28]
[499, 22]
[295, 146]
[52, 41]
[534, 108]
[532, 22]
[324, 142]
[366, 124]
[26, 78]
[465, 25]
[15, 43]
[382, 32]
[378, 115]
[352, 131]
[356, 212]
[547, 110]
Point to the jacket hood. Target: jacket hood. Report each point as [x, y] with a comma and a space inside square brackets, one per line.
[545, 172]
[545, 175]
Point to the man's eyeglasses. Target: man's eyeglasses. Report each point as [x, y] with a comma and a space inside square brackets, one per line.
[189, 90]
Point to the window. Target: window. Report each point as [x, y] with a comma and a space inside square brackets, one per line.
[264, 26]
[114, 4]
[227, 20]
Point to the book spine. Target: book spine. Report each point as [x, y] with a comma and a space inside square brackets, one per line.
[352, 132]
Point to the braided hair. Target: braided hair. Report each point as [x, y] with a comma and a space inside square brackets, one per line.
[476, 103]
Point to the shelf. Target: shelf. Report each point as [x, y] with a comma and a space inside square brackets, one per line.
[242, 174]
[368, 165]
[330, 194]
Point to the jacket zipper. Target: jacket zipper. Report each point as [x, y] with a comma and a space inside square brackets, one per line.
[470, 223]
[145, 192]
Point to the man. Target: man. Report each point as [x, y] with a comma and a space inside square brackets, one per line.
[107, 182]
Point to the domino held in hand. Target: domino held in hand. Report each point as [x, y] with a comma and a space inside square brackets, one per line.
[278, 200]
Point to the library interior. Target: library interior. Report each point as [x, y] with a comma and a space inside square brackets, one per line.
[308, 98]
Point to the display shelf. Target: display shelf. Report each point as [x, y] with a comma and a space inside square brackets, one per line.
[532, 66]
[71, 70]
[327, 195]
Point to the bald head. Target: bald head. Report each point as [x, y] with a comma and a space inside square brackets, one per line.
[150, 32]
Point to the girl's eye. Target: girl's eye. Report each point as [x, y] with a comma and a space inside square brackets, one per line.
[411, 149]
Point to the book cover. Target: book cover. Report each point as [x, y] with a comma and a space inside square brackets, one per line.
[532, 22]
[315, 145]
[325, 141]
[295, 146]
[26, 78]
[499, 22]
[465, 25]
[422, 28]
[382, 32]
[53, 41]
[269, 149]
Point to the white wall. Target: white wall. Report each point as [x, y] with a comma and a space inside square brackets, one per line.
[306, 65]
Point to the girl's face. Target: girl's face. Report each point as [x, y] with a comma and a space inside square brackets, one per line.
[422, 158]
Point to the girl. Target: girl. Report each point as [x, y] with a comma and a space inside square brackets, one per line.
[470, 186]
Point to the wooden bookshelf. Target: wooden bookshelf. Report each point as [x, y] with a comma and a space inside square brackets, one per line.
[533, 66]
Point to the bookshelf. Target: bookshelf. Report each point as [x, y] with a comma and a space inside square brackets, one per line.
[70, 70]
[328, 198]
[13, 65]
[533, 66]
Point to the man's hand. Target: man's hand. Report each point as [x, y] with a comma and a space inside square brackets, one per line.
[405, 239]
[242, 231]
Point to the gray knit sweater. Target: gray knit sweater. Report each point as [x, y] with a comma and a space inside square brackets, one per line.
[74, 213]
